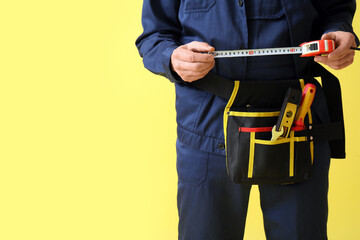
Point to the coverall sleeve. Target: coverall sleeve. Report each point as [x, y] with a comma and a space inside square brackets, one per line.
[160, 36]
[335, 15]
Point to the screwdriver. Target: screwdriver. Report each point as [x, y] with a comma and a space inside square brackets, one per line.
[307, 98]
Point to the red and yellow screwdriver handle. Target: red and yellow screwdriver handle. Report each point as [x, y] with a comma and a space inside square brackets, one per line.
[307, 98]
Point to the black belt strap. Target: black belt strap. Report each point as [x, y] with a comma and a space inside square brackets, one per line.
[333, 131]
[332, 90]
[327, 131]
[215, 84]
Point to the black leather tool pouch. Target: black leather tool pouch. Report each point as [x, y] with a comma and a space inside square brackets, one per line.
[250, 115]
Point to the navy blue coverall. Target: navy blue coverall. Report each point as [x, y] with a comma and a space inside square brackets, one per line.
[210, 206]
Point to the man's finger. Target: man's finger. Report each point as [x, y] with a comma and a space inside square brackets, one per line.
[337, 64]
[343, 41]
[191, 66]
[191, 61]
[190, 56]
[341, 66]
[200, 47]
[328, 61]
[339, 52]
[329, 36]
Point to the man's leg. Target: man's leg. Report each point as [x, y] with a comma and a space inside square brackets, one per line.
[299, 211]
[210, 206]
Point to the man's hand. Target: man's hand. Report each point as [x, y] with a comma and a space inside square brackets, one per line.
[191, 62]
[342, 56]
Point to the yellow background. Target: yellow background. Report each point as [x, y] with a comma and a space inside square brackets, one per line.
[87, 135]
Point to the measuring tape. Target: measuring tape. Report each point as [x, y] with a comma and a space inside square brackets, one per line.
[308, 49]
[257, 52]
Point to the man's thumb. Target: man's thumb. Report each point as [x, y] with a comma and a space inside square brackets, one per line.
[328, 36]
[339, 49]
[200, 47]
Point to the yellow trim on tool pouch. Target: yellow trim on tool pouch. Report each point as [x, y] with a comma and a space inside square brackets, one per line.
[254, 114]
[311, 142]
[251, 155]
[225, 118]
[302, 84]
[292, 159]
[229, 104]
[280, 141]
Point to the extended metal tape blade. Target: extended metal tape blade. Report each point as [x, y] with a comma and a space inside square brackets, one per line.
[257, 52]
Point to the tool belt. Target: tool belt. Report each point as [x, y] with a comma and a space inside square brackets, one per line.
[252, 110]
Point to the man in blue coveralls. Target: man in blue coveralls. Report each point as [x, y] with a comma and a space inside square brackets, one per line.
[176, 35]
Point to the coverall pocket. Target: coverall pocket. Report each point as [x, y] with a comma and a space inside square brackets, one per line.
[193, 6]
[191, 164]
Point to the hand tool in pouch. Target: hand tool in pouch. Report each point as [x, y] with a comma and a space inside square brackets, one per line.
[287, 114]
[307, 98]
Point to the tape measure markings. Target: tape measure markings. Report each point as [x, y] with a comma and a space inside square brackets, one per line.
[257, 52]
